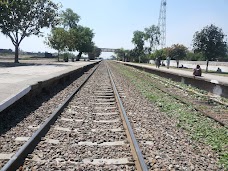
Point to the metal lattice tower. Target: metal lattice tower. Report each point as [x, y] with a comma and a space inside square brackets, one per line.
[162, 24]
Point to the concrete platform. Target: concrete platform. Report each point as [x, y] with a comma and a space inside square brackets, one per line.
[17, 81]
[216, 84]
[206, 76]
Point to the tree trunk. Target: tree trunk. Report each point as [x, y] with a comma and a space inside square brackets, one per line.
[207, 66]
[79, 56]
[58, 55]
[16, 53]
[177, 63]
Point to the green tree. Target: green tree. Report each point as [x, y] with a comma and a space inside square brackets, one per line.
[133, 57]
[96, 52]
[84, 44]
[112, 57]
[161, 53]
[210, 42]
[69, 19]
[191, 56]
[226, 57]
[152, 36]
[23, 18]
[127, 55]
[177, 52]
[121, 54]
[138, 41]
[80, 38]
[58, 39]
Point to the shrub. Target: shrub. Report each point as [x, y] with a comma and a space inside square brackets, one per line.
[66, 57]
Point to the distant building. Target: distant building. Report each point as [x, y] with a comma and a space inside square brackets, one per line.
[6, 51]
[48, 55]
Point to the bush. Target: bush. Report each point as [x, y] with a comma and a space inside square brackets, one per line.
[223, 59]
[66, 57]
[194, 57]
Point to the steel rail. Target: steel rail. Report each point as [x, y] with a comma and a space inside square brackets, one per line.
[136, 148]
[196, 107]
[189, 90]
[17, 160]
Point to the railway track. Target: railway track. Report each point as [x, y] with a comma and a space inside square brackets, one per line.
[211, 106]
[89, 131]
[164, 144]
[89, 134]
[22, 120]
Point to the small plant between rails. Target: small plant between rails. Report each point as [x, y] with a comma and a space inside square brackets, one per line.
[198, 126]
[72, 146]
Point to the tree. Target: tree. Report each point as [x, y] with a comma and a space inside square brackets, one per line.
[61, 39]
[120, 54]
[112, 57]
[80, 38]
[23, 18]
[69, 18]
[96, 52]
[133, 55]
[58, 39]
[161, 53]
[138, 41]
[177, 52]
[210, 42]
[152, 36]
[191, 56]
[127, 55]
[84, 43]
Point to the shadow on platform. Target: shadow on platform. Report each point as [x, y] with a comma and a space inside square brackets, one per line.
[12, 64]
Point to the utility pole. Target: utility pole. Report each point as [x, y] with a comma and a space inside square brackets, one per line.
[162, 24]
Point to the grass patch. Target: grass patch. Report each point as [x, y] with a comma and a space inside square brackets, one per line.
[199, 127]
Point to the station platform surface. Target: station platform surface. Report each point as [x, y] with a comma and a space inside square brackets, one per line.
[217, 79]
[16, 81]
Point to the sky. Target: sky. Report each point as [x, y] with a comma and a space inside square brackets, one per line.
[114, 21]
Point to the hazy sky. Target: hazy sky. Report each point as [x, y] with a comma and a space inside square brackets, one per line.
[114, 21]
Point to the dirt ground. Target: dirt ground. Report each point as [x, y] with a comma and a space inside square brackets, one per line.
[8, 61]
